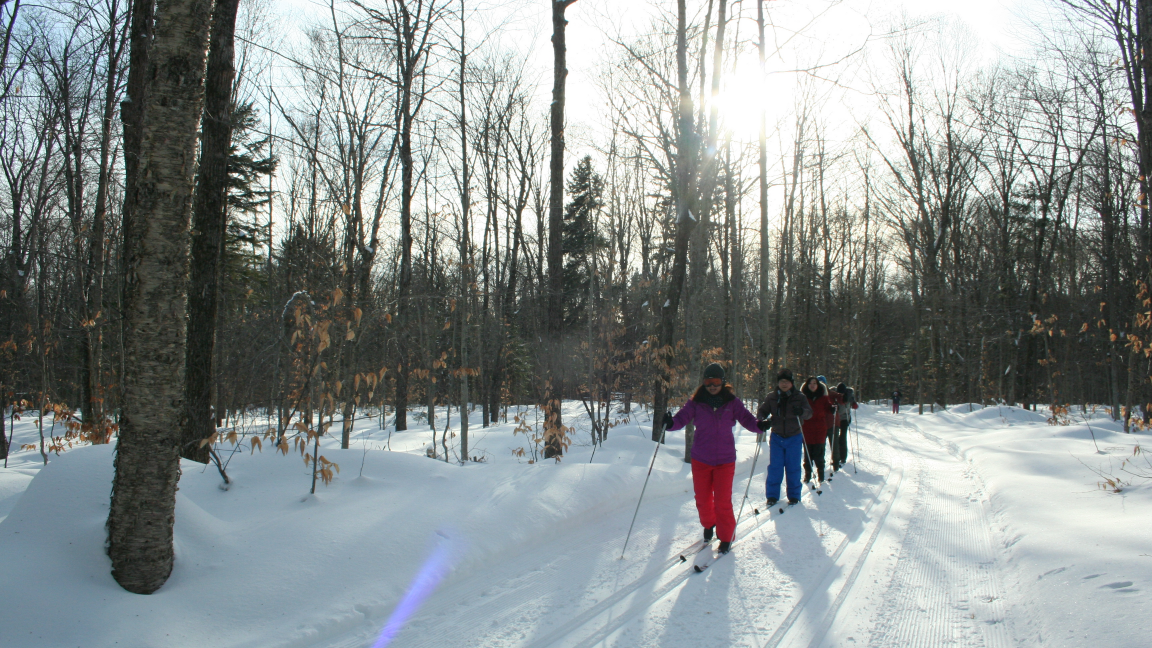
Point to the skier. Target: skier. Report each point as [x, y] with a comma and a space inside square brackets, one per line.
[840, 438]
[896, 402]
[715, 410]
[785, 410]
[837, 405]
[816, 428]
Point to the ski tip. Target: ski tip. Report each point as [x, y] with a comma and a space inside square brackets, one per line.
[819, 492]
[683, 559]
[755, 511]
[698, 568]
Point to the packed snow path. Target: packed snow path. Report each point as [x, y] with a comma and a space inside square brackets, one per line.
[899, 554]
[932, 579]
[968, 527]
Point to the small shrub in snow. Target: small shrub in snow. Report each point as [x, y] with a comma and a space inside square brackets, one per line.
[535, 438]
[1060, 415]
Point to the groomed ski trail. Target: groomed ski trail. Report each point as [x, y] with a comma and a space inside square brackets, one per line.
[899, 555]
[933, 579]
[573, 588]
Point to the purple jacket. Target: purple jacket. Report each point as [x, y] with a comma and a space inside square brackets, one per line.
[714, 443]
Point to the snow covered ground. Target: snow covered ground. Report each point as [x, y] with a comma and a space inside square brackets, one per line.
[967, 528]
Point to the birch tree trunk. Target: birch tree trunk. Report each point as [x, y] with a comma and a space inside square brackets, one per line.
[147, 465]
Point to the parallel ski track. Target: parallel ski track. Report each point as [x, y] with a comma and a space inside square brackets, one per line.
[885, 497]
[945, 576]
[565, 631]
[513, 603]
[514, 600]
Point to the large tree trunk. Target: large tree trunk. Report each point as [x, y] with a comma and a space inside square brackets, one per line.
[132, 119]
[404, 285]
[685, 191]
[556, 170]
[553, 387]
[147, 465]
[209, 222]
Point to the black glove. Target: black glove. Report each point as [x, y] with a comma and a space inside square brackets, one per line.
[668, 419]
[798, 410]
[764, 426]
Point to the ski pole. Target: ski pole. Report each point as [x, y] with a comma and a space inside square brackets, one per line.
[856, 454]
[835, 436]
[803, 445]
[755, 456]
[663, 431]
[807, 458]
[851, 451]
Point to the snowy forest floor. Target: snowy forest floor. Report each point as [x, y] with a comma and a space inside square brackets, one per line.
[970, 527]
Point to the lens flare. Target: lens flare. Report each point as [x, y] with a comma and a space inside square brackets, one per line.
[438, 565]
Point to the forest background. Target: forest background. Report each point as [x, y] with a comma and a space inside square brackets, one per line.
[896, 200]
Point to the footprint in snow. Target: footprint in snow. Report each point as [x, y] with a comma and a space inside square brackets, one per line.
[1121, 586]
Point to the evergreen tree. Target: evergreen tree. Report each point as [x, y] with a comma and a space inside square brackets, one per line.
[249, 165]
[579, 238]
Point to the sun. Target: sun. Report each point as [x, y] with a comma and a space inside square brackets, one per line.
[744, 92]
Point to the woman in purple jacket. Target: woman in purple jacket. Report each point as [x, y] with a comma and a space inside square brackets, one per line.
[715, 410]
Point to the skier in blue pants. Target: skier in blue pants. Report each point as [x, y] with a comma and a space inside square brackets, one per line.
[786, 409]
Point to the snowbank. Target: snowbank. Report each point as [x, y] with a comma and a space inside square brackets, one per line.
[264, 563]
[1079, 556]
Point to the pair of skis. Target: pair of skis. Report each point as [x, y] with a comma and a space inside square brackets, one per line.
[705, 556]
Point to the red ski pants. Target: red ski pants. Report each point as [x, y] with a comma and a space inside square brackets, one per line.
[713, 486]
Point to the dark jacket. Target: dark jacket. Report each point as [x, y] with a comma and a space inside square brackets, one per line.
[849, 397]
[838, 407]
[816, 428]
[713, 442]
[896, 397]
[779, 408]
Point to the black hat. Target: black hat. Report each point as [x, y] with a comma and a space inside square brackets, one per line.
[842, 388]
[785, 374]
[714, 371]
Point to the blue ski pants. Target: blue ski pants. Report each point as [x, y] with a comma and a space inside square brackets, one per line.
[786, 456]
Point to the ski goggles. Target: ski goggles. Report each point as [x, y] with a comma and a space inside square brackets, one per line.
[710, 382]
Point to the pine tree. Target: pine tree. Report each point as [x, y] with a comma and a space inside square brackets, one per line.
[579, 238]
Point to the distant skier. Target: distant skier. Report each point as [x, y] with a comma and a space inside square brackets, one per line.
[816, 428]
[896, 402]
[837, 406]
[840, 438]
[715, 410]
[785, 408]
